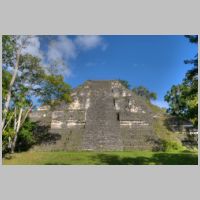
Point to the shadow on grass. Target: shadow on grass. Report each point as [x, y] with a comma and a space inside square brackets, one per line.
[157, 159]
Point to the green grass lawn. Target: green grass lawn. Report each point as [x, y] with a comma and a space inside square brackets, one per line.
[102, 158]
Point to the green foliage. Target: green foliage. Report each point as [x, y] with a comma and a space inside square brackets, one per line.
[192, 38]
[31, 81]
[125, 83]
[8, 133]
[183, 98]
[30, 71]
[176, 100]
[26, 138]
[156, 108]
[145, 93]
[54, 90]
[8, 50]
[141, 91]
[161, 130]
[6, 78]
[170, 146]
[182, 102]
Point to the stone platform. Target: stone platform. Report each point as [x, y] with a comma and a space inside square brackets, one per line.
[103, 116]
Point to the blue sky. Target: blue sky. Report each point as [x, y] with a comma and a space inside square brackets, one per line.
[156, 62]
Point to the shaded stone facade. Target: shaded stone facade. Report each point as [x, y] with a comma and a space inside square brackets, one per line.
[103, 115]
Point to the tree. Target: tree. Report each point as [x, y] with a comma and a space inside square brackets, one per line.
[21, 74]
[145, 93]
[24, 78]
[9, 45]
[191, 77]
[176, 100]
[26, 137]
[124, 83]
[54, 90]
[6, 78]
[183, 98]
[11, 52]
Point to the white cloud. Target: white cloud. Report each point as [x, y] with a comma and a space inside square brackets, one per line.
[61, 49]
[88, 42]
[33, 46]
[160, 103]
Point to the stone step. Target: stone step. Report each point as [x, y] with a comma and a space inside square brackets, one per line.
[102, 126]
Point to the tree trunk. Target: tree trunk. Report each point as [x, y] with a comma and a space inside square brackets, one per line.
[15, 120]
[8, 97]
[8, 122]
[25, 116]
[16, 131]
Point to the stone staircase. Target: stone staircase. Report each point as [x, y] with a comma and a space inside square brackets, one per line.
[102, 130]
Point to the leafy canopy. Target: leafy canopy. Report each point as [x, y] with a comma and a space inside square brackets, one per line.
[125, 83]
[183, 98]
[54, 90]
[145, 93]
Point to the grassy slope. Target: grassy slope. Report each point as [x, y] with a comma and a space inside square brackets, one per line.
[102, 158]
[160, 128]
[159, 122]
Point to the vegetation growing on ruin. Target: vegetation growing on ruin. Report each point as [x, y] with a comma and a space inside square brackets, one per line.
[145, 93]
[169, 139]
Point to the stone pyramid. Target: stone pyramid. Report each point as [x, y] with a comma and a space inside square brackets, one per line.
[103, 116]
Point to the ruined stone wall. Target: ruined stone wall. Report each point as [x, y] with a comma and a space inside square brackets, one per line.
[103, 115]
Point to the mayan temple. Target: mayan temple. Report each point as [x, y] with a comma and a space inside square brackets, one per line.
[103, 115]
